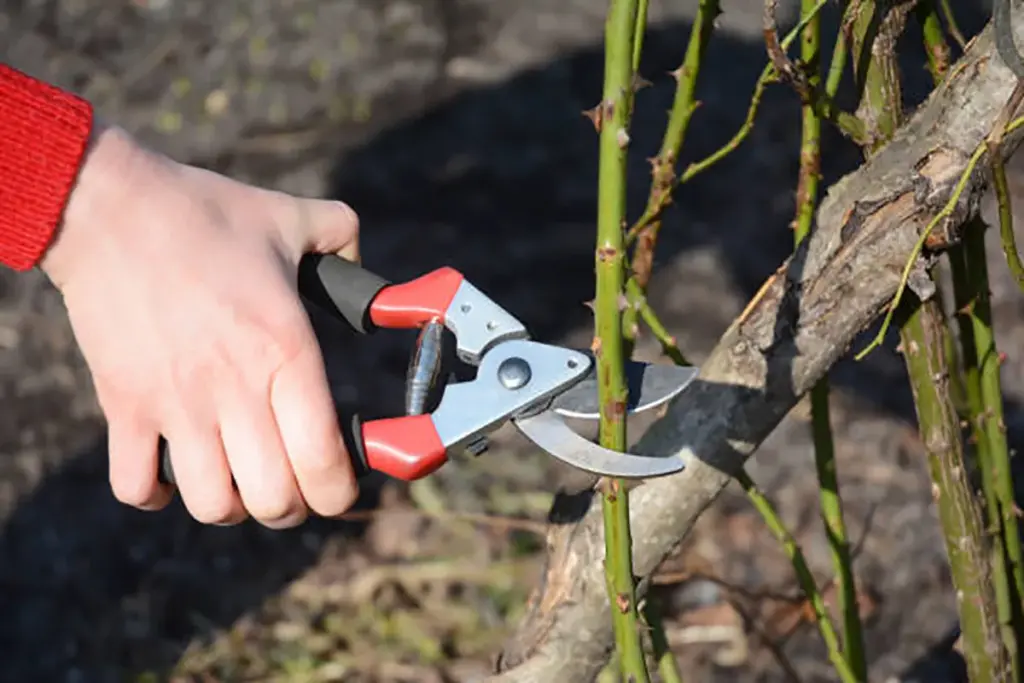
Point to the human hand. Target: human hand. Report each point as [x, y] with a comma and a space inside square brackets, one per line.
[180, 285]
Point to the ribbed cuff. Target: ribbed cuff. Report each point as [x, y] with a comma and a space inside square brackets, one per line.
[44, 133]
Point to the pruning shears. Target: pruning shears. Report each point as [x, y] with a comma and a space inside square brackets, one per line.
[531, 384]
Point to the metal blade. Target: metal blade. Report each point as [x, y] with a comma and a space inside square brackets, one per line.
[650, 385]
[554, 436]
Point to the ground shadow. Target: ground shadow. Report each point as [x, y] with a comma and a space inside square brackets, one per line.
[497, 182]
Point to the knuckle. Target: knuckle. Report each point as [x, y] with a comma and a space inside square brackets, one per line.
[326, 477]
[133, 490]
[217, 508]
[349, 215]
[335, 500]
[279, 510]
[329, 497]
[318, 464]
[342, 497]
[285, 340]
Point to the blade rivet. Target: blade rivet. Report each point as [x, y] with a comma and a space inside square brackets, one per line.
[514, 373]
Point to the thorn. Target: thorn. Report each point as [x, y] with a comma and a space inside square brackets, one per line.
[595, 117]
[589, 304]
[595, 346]
[622, 138]
[609, 109]
[616, 409]
[623, 302]
[610, 488]
[639, 82]
[1002, 357]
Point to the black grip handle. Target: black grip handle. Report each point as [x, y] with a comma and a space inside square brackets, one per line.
[341, 287]
[351, 434]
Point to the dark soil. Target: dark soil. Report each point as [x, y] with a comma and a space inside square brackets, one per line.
[454, 128]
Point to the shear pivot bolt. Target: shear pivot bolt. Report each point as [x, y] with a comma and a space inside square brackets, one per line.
[513, 373]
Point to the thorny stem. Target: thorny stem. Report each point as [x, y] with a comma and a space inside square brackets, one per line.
[810, 93]
[935, 43]
[951, 25]
[840, 54]
[803, 575]
[669, 346]
[986, 403]
[876, 27]
[1006, 235]
[639, 29]
[767, 75]
[993, 431]
[974, 555]
[824, 448]
[668, 669]
[996, 557]
[663, 165]
[938, 64]
[959, 513]
[612, 119]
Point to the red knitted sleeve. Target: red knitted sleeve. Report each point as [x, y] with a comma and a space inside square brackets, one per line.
[44, 132]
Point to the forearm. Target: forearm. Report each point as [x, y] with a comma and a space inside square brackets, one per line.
[44, 133]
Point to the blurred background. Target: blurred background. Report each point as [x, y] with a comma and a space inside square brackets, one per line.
[454, 128]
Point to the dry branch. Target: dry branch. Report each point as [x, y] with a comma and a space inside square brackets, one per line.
[800, 323]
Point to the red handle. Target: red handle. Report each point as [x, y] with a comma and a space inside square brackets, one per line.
[414, 303]
[406, 448]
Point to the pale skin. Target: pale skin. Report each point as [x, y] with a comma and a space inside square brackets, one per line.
[180, 285]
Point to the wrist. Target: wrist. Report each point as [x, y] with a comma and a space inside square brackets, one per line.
[101, 185]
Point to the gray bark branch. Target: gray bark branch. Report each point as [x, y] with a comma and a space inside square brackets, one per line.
[803, 321]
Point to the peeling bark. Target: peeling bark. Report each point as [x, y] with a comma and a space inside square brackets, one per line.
[803, 320]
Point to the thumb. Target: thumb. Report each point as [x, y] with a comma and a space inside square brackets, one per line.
[331, 227]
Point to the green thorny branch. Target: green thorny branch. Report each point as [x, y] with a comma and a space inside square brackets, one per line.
[824, 448]
[979, 574]
[990, 431]
[663, 175]
[684, 106]
[611, 117]
[923, 332]
[643, 234]
[985, 393]
[645, 231]
[980, 360]
[806, 83]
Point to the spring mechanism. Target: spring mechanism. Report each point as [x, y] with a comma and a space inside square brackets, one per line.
[424, 368]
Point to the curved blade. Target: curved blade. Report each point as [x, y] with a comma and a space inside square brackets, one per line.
[650, 385]
[554, 436]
